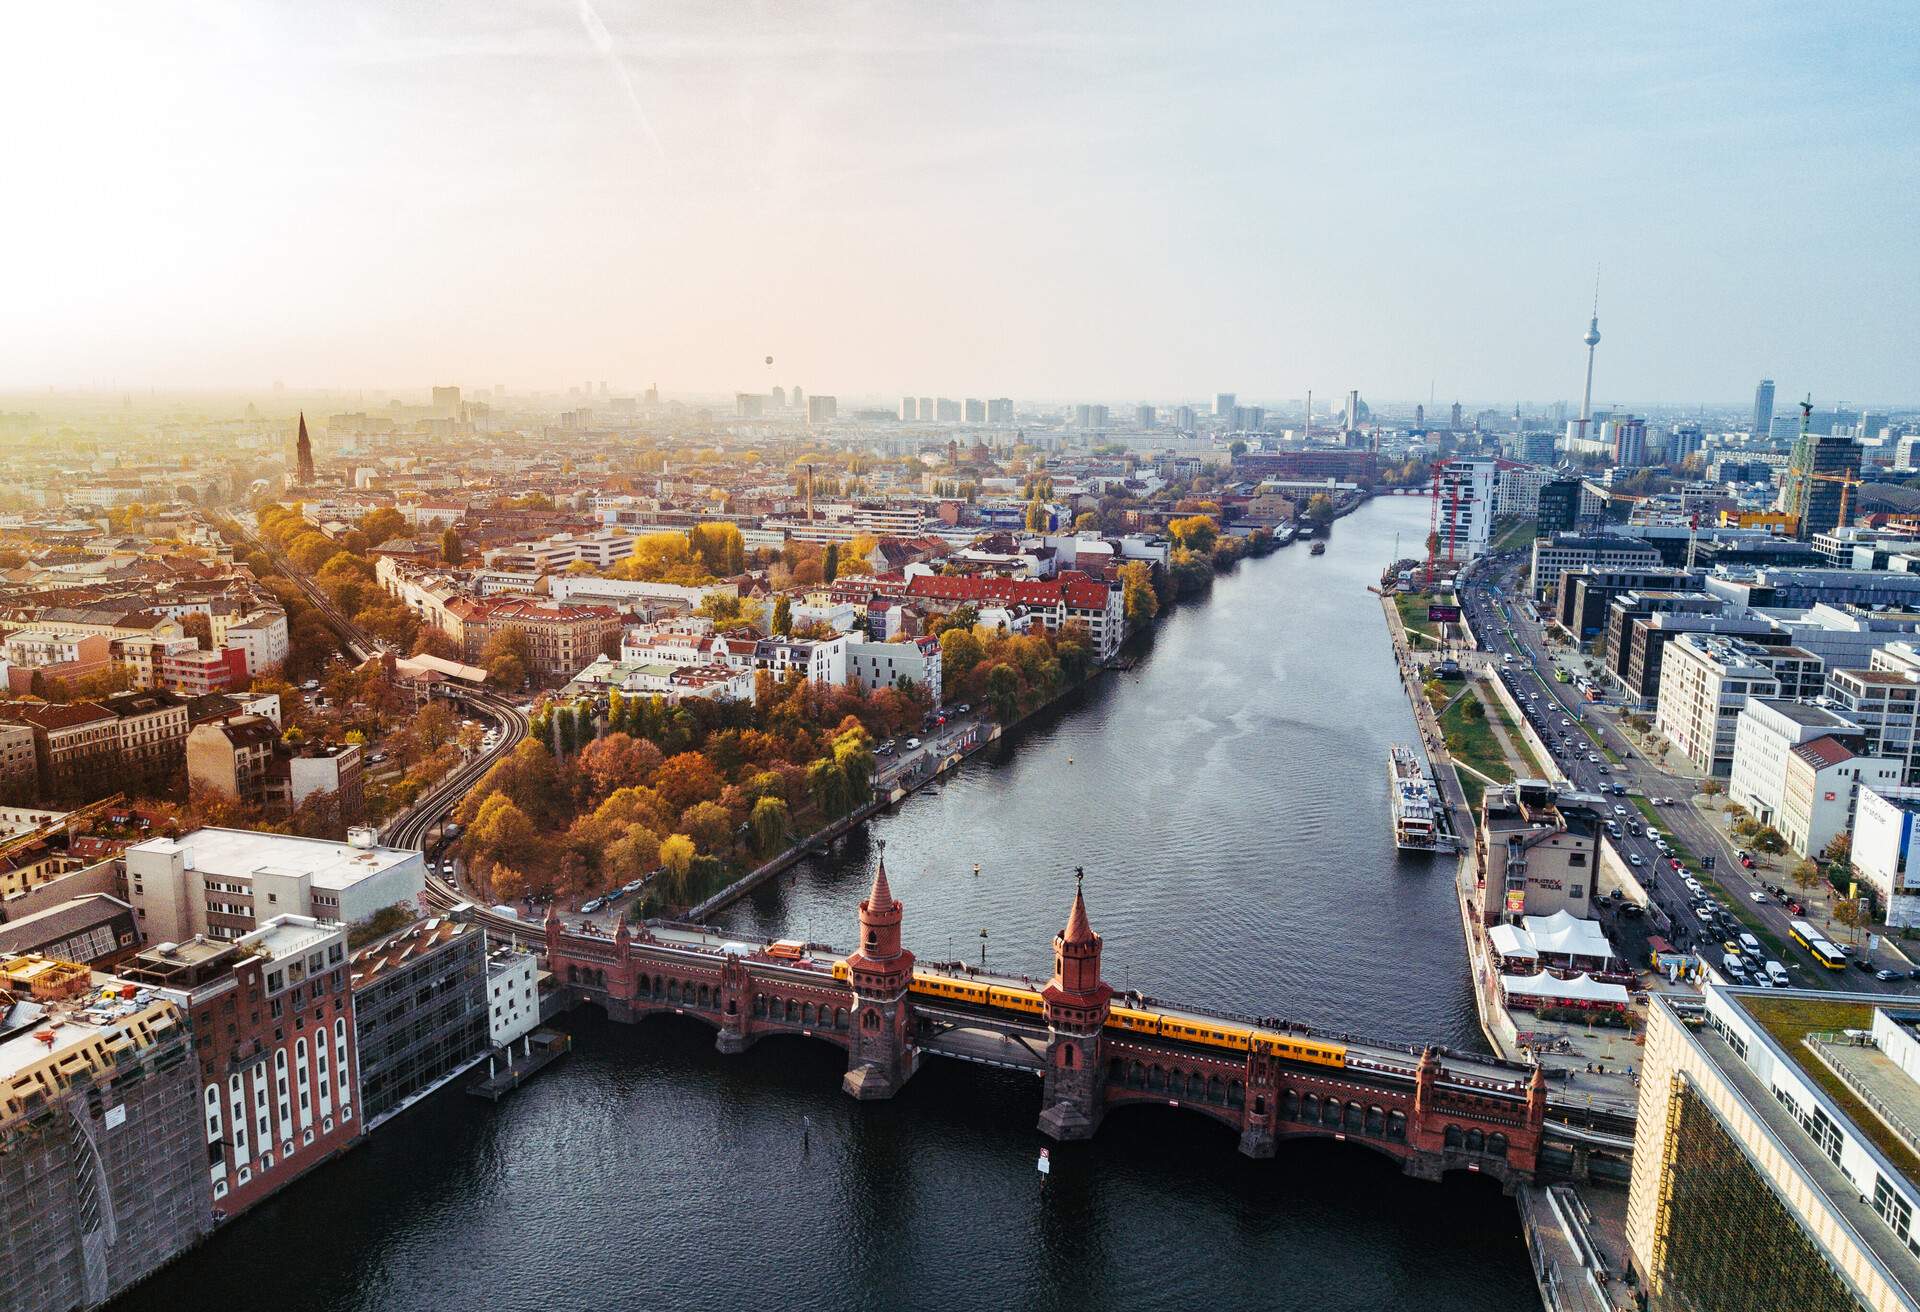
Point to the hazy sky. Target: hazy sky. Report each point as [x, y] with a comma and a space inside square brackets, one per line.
[1109, 202]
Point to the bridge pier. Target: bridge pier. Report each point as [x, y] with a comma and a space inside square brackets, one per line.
[879, 1056]
[1076, 1003]
[1257, 1142]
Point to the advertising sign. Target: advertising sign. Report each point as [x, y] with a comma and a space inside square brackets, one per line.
[1517, 902]
[1437, 614]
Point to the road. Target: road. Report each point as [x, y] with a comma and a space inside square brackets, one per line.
[1564, 720]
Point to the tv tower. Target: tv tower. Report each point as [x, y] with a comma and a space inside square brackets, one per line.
[1592, 339]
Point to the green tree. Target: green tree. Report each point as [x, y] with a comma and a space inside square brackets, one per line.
[1805, 874]
[830, 567]
[1003, 692]
[506, 656]
[771, 823]
[1319, 508]
[1037, 517]
[782, 616]
[452, 549]
[960, 651]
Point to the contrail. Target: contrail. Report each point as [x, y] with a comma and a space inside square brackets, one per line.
[603, 42]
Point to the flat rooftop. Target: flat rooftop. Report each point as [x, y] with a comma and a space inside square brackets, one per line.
[1806, 713]
[244, 851]
[290, 939]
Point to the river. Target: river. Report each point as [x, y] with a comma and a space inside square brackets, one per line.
[1227, 799]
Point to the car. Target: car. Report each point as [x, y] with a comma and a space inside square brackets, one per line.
[884, 749]
[913, 744]
[588, 908]
[633, 886]
[1634, 859]
[1750, 944]
[1794, 908]
[1758, 896]
[1886, 976]
[1747, 861]
[1620, 810]
[1864, 966]
[966, 708]
[1675, 862]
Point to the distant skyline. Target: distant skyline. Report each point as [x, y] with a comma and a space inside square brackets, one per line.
[1028, 200]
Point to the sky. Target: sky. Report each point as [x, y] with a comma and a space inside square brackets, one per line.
[1110, 202]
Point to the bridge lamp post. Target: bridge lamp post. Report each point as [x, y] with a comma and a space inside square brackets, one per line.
[983, 949]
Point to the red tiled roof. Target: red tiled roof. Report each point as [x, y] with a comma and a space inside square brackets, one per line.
[1074, 588]
[1823, 752]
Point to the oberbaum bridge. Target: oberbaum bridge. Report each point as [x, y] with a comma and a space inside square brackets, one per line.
[1092, 1049]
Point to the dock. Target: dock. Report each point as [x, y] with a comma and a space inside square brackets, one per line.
[538, 1050]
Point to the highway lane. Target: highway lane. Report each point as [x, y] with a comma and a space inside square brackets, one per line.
[1700, 922]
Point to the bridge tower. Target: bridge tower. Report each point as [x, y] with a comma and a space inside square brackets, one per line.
[879, 1058]
[1076, 1001]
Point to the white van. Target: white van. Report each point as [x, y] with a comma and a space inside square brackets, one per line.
[1750, 943]
[1777, 975]
[1730, 967]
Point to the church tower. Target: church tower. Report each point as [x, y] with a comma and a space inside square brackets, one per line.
[303, 453]
[878, 1060]
[1076, 1002]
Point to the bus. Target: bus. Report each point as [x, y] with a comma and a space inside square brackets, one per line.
[1816, 945]
[1560, 674]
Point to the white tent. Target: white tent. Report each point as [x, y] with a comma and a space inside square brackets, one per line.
[1512, 941]
[1561, 934]
[1581, 988]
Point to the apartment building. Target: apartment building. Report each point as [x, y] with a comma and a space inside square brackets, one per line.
[1766, 731]
[553, 554]
[1706, 681]
[1554, 556]
[876, 665]
[1068, 598]
[224, 883]
[275, 1043]
[513, 995]
[19, 766]
[1886, 706]
[818, 660]
[561, 636]
[1821, 789]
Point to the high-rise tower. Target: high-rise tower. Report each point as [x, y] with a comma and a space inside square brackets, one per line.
[1763, 408]
[1592, 339]
[303, 453]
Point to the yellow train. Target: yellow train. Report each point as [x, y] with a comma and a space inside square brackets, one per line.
[1206, 1031]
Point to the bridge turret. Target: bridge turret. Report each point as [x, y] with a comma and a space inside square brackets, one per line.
[1076, 1003]
[879, 1057]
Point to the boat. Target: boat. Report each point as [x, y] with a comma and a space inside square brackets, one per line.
[1419, 816]
[1319, 549]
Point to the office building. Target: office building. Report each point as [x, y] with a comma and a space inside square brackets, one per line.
[822, 409]
[1821, 789]
[1223, 404]
[513, 995]
[1555, 555]
[1705, 682]
[1820, 482]
[946, 410]
[224, 883]
[1467, 508]
[1143, 416]
[1883, 855]
[1583, 600]
[1764, 1178]
[1763, 408]
[1766, 731]
[909, 409]
[976, 411]
[1885, 703]
[1000, 410]
[100, 1112]
[748, 405]
[1626, 439]
[420, 999]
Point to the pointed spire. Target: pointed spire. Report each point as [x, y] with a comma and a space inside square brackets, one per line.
[1079, 929]
[880, 897]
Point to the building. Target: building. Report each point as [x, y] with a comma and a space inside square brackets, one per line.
[224, 883]
[95, 929]
[1763, 1178]
[1555, 555]
[274, 1037]
[1626, 440]
[1883, 853]
[420, 1000]
[1070, 597]
[1585, 595]
[513, 995]
[1766, 731]
[1536, 852]
[818, 660]
[554, 554]
[1817, 481]
[876, 665]
[1467, 507]
[190, 672]
[1704, 685]
[103, 1172]
[1763, 408]
[235, 757]
[823, 409]
[909, 409]
[1886, 706]
[1821, 788]
[561, 636]
[19, 766]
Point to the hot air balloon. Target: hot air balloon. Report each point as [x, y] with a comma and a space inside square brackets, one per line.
[769, 359]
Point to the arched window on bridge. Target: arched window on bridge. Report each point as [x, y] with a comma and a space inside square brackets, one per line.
[659, 986]
[1116, 1071]
[1476, 1141]
[1453, 1138]
[793, 1011]
[673, 990]
[1156, 1079]
[1397, 1125]
[1356, 1117]
[1290, 1105]
[1497, 1144]
[806, 1014]
[1217, 1092]
[869, 1020]
[839, 1018]
[704, 999]
[1236, 1094]
[733, 1007]
[1310, 1107]
[1066, 1056]
[1376, 1120]
[573, 974]
[1196, 1087]
[1136, 1075]
[1330, 1112]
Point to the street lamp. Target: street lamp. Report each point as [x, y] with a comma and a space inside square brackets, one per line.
[983, 948]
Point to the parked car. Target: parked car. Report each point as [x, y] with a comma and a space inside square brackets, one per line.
[1864, 966]
[1794, 908]
[1777, 975]
[913, 744]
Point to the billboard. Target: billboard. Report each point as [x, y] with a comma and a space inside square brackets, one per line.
[1517, 902]
[1443, 614]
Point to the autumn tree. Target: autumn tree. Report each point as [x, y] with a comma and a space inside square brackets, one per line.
[380, 525]
[771, 823]
[452, 549]
[618, 760]
[1138, 598]
[198, 627]
[1196, 533]
[507, 657]
[1003, 692]
[686, 779]
[782, 616]
[830, 563]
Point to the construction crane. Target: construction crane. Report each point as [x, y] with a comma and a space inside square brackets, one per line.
[1847, 482]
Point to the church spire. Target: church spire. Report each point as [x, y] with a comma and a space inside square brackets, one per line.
[303, 453]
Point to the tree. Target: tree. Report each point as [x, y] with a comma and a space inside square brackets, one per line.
[1003, 692]
[1805, 874]
[676, 856]
[452, 549]
[617, 761]
[687, 779]
[1840, 850]
[1847, 911]
[710, 827]
[501, 833]
[960, 651]
[379, 525]
[830, 566]
[506, 656]
[1197, 533]
[771, 823]
[1038, 520]
[1237, 448]
[1140, 602]
[1319, 508]
[198, 627]
[782, 616]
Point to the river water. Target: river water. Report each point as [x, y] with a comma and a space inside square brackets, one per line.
[1227, 799]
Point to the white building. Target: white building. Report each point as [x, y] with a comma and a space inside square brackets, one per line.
[1884, 832]
[876, 665]
[261, 635]
[553, 554]
[1765, 732]
[587, 588]
[1817, 800]
[1467, 506]
[513, 998]
[1705, 682]
[224, 883]
[821, 660]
